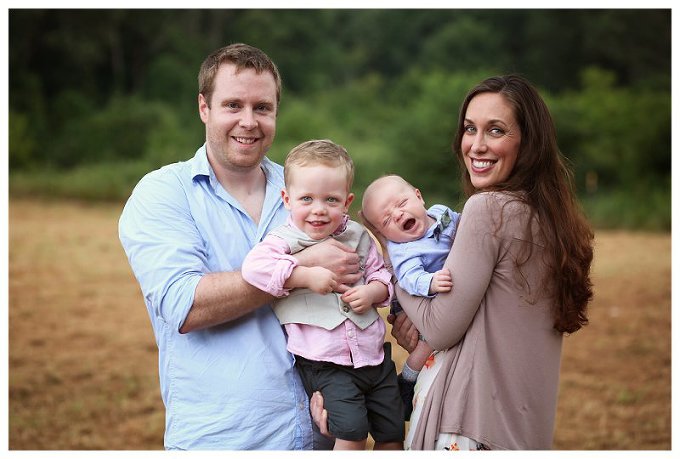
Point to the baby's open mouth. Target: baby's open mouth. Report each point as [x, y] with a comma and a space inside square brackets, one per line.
[408, 224]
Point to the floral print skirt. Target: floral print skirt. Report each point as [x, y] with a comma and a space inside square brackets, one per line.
[446, 440]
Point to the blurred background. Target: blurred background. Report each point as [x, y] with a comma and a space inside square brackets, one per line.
[98, 98]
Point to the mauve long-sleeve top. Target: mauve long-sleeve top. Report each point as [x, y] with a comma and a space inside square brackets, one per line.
[500, 381]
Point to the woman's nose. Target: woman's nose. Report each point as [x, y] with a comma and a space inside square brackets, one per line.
[479, 143]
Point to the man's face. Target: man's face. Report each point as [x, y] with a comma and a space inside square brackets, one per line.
[240, 120]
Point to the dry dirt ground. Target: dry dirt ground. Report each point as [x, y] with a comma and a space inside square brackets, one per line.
[83, 361]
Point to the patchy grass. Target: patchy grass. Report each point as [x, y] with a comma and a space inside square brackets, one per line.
[83, 361]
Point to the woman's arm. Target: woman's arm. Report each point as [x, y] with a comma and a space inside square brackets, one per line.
[444, 319]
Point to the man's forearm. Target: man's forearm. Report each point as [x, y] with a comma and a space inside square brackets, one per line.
[220, 298]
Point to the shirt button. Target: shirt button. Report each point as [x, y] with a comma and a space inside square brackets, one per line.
[345, 308]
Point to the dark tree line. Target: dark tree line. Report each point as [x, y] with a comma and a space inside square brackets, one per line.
[90, 89]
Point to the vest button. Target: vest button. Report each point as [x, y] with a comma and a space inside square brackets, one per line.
[345, 308]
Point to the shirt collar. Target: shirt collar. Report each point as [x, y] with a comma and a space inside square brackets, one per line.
[201, 166]
[442, 221]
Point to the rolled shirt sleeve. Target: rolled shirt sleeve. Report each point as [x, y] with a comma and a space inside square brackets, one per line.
[166, 252]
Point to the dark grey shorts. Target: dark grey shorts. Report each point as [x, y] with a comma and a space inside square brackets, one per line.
[358, 400]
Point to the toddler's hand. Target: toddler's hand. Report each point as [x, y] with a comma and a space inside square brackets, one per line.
[321, 280]
[358, 299]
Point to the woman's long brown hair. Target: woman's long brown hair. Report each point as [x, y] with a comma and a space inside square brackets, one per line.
[545, 183]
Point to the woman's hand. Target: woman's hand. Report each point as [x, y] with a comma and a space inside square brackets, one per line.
[404, 331]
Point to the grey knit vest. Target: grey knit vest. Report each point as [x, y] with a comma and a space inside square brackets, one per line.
[304, 306]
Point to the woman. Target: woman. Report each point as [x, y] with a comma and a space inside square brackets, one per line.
[520, 265]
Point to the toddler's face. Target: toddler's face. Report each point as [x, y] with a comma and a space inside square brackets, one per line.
[396, 210]
[318, 199]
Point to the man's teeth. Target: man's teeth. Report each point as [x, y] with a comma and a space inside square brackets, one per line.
[246, 140]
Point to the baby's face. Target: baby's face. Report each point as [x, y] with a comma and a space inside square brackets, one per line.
[396, 210]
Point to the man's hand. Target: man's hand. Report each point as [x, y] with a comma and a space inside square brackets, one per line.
[336, 257]
[404, 331]
[319, 414]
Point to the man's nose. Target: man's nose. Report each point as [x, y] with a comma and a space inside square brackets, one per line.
[248, 120]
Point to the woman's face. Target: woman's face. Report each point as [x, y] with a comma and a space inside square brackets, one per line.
[491, 140]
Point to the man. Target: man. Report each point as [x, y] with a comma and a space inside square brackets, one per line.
[226, 379]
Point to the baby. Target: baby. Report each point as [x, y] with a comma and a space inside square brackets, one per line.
[418, 240]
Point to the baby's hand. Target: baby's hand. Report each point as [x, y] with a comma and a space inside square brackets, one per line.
[441, 282]
[321, 280]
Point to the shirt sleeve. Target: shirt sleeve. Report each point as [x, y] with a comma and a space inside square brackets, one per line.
[374, 269]
[410, 269]
[268, 266]
[163, 245]
[444, 319]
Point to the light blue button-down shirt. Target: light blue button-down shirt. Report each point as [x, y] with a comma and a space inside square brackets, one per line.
[415, 262]
[232, 386]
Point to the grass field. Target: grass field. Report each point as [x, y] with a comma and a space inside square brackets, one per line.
[83, 361]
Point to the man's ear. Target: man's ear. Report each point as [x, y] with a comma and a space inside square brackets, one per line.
[203, 108]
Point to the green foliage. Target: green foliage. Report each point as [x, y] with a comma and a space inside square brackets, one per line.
[625, 209]
[99, 97]
[23, 143]
[95, 182]
[622, 134]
